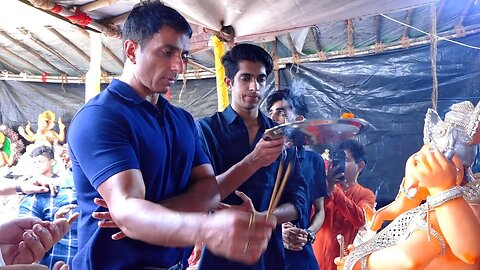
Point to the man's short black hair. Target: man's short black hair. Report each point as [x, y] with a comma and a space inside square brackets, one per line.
[296, 102]
[356, 149]
[247, 52]
[148, 17]
[43, 150]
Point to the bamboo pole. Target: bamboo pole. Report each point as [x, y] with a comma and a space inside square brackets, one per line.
[12, 66]
[32, 52]
[459, 28]
[107, 50]
[408, 19]
[350, 42]
[275, 65]
[371, 50]
[42, 44]
[316, 35]
[108, 30]
[76, 79]
[195, 64]
[117, 20]
[96, 5]
[71, 45]
[21, 59]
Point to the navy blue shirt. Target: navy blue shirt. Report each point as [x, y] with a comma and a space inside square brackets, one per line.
[226, 141]
[313, 169]
[116, 131]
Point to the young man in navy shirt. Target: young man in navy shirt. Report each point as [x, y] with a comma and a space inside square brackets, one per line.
[243, 160]
[283, 106]
[143, 156]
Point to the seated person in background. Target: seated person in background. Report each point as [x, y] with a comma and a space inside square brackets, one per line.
[46, 205]
[45, 132]
[344, 206]
[283, 106]
[6, 159]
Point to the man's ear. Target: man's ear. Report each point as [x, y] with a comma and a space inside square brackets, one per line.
[228, 83]
[361, 166]
[130, 48]
[300, 118]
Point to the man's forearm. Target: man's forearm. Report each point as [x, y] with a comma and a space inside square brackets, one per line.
[7, 187]
[286, 212]
[156, 224]
[318, 217]
[202, 196]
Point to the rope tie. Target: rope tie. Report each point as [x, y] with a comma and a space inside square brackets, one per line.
[80, 18]
[295, 63]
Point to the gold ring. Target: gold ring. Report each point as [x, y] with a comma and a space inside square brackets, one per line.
[246, 246]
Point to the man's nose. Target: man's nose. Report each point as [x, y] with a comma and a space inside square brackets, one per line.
[178, 64]
[254, 85]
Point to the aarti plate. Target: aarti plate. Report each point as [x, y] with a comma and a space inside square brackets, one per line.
[318, 131]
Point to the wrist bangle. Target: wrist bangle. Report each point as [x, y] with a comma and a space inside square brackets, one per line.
[444, 196]
[19, 190]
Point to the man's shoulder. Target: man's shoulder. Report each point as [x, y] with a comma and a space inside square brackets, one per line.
[211, 120]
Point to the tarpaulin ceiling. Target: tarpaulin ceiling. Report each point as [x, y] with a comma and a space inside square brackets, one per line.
[266, 17]
[257, 21]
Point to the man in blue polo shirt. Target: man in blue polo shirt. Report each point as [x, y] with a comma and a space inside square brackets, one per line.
[283, 106]
[243, 160]
[143, 156]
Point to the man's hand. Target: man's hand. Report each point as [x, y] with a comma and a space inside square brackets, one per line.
[33, 186]
[293, 238]
[106, 220]
[237, 235]
[333, 177]
[266, 152]
[64, 210]
[57, 266]
[25, 240]
[246, 206]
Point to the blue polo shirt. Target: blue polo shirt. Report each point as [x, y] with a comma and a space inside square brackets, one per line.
[313, 169]
[117, 131]
[226, 142]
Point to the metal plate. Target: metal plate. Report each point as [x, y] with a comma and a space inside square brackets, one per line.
[319, 131]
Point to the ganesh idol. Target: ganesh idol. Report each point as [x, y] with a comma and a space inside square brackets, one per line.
[442, 232]
[45, 132]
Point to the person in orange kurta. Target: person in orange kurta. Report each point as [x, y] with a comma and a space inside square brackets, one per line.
[343, 207]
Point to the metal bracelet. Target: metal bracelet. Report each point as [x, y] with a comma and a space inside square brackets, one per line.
[445, 196]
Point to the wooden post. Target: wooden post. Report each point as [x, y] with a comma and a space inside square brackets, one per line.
[92, 83]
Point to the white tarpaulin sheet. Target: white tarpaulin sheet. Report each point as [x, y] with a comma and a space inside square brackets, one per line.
[270, 17]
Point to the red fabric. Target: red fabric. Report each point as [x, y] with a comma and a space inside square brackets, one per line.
[343, 215]
[56, 9]
[168, 95]
[44, 77]
[80, 18]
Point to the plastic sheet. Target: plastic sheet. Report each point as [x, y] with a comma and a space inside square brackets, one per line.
[393, 92]
[390, 90]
